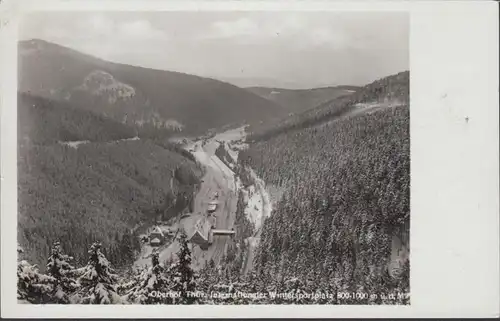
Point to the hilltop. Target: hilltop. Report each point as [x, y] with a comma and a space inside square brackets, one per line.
[148, 99]
[298, 100]
[392, 89]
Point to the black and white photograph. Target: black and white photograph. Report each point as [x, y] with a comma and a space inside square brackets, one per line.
[219, 157]
[214, 158]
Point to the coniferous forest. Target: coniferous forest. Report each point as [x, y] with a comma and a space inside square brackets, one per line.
[341, 224]
[317, 202]
[97, 282]
[344, 214]
[100, 190]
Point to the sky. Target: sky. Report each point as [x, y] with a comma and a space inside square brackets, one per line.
[279, 49]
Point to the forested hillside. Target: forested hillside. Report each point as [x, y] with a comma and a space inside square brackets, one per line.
[99, 190]
[393, 88]
[299, 100]
[45, 121]
[343, 218]
[172, 282]
[146, 98]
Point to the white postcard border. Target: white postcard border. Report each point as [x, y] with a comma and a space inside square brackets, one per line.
[454, 161]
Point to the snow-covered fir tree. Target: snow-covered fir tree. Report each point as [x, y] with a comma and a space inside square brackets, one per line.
[32, 286]
[207, 277]
[183, 275]
[128, 281]
[98, 280]
[59, 268]
[151, 283]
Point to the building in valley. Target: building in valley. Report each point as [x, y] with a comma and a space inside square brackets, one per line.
[156, 237]
[205, 231]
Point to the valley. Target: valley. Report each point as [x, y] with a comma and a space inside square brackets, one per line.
[222, 181]
[260, 188]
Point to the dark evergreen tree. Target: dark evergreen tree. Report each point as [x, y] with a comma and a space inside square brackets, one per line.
[32, 286]
[151, 284]
[183, 274]
[98, 279]
[63, 272]
[127, 248]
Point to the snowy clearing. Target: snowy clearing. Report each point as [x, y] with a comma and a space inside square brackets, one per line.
[232, 134]
[259, 205]
[128, 139]
[75, 144]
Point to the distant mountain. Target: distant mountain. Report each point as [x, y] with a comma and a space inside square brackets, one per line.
[266, 82]
[145, 98]
[302, 99]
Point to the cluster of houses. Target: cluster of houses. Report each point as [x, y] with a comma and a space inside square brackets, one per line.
[204, 230]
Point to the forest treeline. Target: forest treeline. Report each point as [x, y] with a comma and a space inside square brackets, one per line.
[391, 88]
[174, 282]
[45, 121]
[299, 100]
[341, 224]
[99, 190]
[343, 218]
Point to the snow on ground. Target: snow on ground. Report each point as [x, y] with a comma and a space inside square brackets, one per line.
[129, 139]
[238, 184]
[365, 108]
[75, 144]
[254, 210]
[201, 156]
[170, 248]
[368, 105]
[204, 153]
[238, 146]
[258, 201]
[208, 159]
[226, 172]
[374, 104]
[253, 241]
[232, 152]
[231, 135]
[259, 206]
[233, 148]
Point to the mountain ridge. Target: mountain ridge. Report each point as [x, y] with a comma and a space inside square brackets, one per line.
[142, 97]
[393, 88]
[299, 100]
